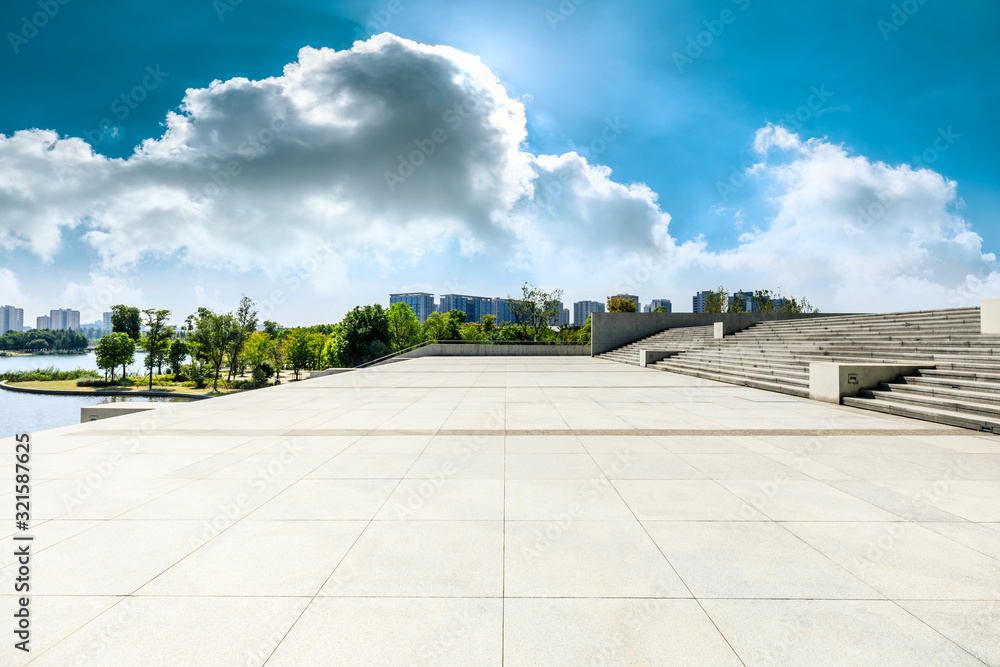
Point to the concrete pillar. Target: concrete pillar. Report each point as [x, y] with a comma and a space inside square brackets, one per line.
[990, 316]
[720, 330]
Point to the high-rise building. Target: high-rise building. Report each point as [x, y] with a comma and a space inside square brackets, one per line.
[474, 307]
[43, 322]
[698, 301]
[501, 310]
[746, 301]
[421, 303]
[11, 319]
[656, 303]
[564, 318]
[583, 309]
[107, 323]
[64, 318]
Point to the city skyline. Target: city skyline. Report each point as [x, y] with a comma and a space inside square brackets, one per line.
[707, 160]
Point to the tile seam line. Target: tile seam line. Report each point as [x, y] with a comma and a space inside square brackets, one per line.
[312, 600]
[677, 574]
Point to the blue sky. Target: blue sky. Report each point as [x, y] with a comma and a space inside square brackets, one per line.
[894, 78]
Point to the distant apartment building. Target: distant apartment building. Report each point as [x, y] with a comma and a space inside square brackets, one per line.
[656, 303]
[746, 301]
[107, 323]
[564, 318]
[64, 318]
[43, 322]
[501, 310]
[698, 301]
[474, 307]
[421, 303]
[11, 319]
[583, 309]
[557, 319]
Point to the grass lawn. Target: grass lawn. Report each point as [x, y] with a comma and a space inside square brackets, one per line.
[70, 385]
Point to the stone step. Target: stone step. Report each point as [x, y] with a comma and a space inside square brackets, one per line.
[905, 386]
[951, 418]
[953, 383]
[761, 374]
[990, 409]
[974, 376]
[738, 380]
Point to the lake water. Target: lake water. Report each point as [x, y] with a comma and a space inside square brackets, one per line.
[27, 413]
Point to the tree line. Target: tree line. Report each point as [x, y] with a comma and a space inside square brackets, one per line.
[37, 340]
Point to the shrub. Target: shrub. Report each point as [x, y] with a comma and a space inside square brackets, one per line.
[95, 382]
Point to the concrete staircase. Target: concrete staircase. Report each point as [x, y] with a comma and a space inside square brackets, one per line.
[687, 338]
[963, 388]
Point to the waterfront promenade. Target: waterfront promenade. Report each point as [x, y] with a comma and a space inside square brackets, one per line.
[509, 510]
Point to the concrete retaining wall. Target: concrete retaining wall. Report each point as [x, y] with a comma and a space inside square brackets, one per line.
[472, 350]
[830, 382]
[94, 412]
[611, 330]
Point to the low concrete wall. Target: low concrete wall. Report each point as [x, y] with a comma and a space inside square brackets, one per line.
[830, 382]
[472, 350]
[328, 371]
[650, 357]
[94, 412]
[611, 330]
[989, 313]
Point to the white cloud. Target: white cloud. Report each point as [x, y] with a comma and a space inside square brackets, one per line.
[863, 234]
[388, 154]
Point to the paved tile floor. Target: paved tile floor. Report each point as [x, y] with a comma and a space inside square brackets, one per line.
[520, 511]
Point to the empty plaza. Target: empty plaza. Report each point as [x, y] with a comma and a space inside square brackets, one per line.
[510, 510]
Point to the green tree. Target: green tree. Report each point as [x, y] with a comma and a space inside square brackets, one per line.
[489, 322]
[472, 331]
[297, 350]
[717, 301]
[619, 304]
[214, 334]
[364, 336]
[114, 350]
[440, 327]
[661, 309]
[246, 324]
[535, 311]
[127, 320]
[404, 327]
[271, 328]
[157, 339]
[176, 355]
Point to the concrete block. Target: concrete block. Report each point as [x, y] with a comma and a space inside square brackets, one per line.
[830, 382]
[720, 330]
[650, 357]
[94, 412]
[990, 314]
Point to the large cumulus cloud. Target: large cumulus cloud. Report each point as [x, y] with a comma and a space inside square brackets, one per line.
[391, 150]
